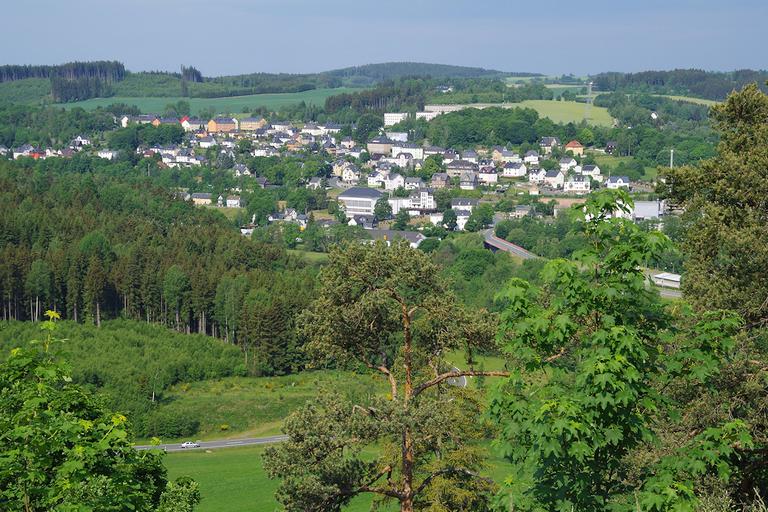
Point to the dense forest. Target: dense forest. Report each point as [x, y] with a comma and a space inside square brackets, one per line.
[685, 82]
[97, 246]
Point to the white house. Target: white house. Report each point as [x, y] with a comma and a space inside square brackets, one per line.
[394, 181]
[468, 180]
[616, 182]
[359, 200]
[514, 170]
[537, 175]
[577, 185]
[422, 199]
[233, 202]
[488, 175]
[409, 148]
[192, 124]
[567, 163]
[462, 216]
[461, 203]
[554, 178]
[592, 171]
[376, 179]
[531, 157]
[413, 183]
[350, 174]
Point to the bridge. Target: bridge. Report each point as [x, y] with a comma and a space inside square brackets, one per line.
[495, 243]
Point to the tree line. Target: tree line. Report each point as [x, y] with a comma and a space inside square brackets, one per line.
[686, 82]
[96, 246]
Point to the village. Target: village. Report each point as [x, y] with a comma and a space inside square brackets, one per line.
[387, 167]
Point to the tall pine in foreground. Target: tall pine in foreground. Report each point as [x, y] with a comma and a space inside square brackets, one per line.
[386, 310]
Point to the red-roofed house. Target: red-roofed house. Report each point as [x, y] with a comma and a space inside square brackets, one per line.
[575, 147]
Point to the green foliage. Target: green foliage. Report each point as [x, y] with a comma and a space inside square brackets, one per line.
[129, 363]
[382, 210]
[586, 393]
[61, 449]
[402, 219]
[385, 308]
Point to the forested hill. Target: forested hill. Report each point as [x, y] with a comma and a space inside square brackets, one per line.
[391, 70]
[684, 82]
[84, 80]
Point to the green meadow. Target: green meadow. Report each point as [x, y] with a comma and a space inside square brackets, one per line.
[231, 104]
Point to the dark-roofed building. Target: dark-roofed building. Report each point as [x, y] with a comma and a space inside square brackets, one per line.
[359, 200]
[364, 221]
[456, 167]
[462, 203]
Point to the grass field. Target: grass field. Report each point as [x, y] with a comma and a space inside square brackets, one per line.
[232, 105]
[233, 479]
[569, 111]
[257, 406]
[688, 99]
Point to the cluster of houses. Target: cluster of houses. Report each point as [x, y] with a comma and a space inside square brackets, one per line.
[466, 169]
[27, 150]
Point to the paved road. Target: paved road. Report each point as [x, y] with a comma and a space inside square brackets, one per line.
[501, 244]
[669, 293]
[224, 443]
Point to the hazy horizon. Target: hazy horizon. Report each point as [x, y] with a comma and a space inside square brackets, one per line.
[297, 36]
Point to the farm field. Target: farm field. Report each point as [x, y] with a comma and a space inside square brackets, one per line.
[569, 111]
[689, 99]
[232, 104]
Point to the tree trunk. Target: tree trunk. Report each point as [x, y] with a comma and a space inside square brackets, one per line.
[406, 505]
[98, 314]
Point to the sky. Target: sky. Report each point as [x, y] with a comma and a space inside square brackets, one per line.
[222, 37]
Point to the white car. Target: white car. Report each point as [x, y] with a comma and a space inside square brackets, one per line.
[190, 444]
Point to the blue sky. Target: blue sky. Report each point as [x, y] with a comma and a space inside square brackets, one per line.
[241, 36]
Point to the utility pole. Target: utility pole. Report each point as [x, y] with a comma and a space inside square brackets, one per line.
[672, 158]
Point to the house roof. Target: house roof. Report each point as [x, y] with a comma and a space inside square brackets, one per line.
[389, 234]
[574, 144]
[461, 201]
[355, 192]
[616, 179]
[553, 173]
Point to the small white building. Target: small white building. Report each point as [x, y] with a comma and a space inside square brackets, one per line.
[666, 280]
[567, 164]
[394, 181]
[488, 175]
[577, 185]
[514, 170]
[537, 175]
[554, 179]
[616, 182]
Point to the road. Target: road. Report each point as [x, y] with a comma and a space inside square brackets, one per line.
[492, 240]
[223, 443]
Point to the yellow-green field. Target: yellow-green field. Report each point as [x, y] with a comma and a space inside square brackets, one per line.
[689, 99]
[233, 104]
[569, 111]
